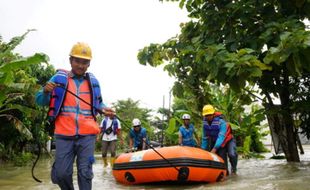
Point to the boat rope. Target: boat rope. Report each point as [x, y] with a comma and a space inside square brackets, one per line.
[126, 125]
[38, 156]
[182, 172]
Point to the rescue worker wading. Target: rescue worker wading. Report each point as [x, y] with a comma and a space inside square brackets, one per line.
[137, 136]
[214, 133]
[75, 123]
[110, 132]
[231, 146]
[187, 132]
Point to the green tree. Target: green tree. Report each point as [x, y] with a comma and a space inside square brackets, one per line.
[129, 109]
[244, 43]
[246, 125]
[15, 87]
[180, 107]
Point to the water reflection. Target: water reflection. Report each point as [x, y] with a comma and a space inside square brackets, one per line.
[252, 174]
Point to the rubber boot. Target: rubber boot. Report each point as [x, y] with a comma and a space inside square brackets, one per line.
[105, 162]
[112, 160]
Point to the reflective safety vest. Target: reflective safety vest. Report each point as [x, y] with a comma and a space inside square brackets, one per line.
[187, 135]
[212, 131]
[71, 115]
[113, 127]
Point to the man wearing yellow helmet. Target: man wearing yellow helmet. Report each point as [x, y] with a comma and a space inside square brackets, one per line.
[74, 120]
[214, 132]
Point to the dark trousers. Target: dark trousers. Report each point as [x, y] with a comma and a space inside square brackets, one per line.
[232, 154]
[81, 148]
[222, 152]
[108, 145]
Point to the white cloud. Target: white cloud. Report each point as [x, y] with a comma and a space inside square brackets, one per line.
[115, 30]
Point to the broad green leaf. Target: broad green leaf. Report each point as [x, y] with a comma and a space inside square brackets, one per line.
[18, 86]
[7, 78]
[22, 128]
[35, 59]
[269, 58]
[255, 72]
[245, 51]
[13, 44]
[307, 41]
[295, 66]
[172, 126]
[18, 125]
[181, 5]
[261, 65]
[195, 39]
[285, 35]
[29, 112]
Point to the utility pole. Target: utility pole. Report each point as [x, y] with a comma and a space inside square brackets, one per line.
[169, 106]
[162, 124]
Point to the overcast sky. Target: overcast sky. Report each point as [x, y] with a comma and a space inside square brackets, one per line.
[115, 30]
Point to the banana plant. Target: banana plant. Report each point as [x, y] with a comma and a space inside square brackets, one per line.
[172, 132]
[14, 84]
[246, 121]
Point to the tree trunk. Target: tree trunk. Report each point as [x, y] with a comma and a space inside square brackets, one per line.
[282, 125]
[301, 149]
[291, 152]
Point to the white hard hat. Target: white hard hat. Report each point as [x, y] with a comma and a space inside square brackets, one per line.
[136, 122]
[186, 116]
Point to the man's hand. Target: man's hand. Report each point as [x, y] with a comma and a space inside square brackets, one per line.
[49, 87]
[213, 150]
[198, 143]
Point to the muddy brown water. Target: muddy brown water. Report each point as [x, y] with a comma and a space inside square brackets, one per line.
[252, 174]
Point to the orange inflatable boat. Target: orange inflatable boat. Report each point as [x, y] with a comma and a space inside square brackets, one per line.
[175, 163]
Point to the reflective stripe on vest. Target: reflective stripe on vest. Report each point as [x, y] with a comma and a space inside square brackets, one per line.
[212, 130]
[58, 94]
[75, 117]
[57, 105]
[187, 135]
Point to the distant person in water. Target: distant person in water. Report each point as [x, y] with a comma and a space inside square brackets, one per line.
[187, 132]
[110, 133]
[218, 137]
[214, 131]
[137, 136]
[230, 144]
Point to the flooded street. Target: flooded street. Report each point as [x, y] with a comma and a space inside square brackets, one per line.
[252, 174]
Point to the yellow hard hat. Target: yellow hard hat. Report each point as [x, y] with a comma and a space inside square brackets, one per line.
[208, 110]
[81, 50]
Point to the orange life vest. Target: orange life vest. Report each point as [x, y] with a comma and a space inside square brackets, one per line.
[75, 117]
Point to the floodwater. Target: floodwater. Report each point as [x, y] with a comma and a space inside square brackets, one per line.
[252, 174]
